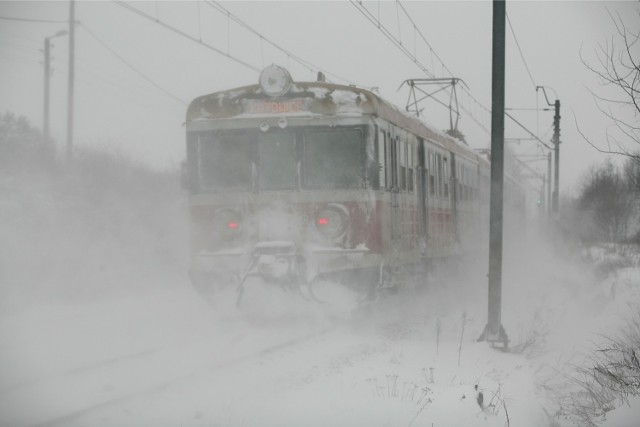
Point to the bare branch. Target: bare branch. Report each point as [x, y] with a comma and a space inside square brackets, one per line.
[617, 67]
[624, 152]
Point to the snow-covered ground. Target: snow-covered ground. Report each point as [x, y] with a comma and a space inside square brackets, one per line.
[164, 357]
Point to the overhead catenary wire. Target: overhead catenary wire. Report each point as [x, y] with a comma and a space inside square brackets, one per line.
[86, 77]
[527, 130]
[130, 66]
[389, 35]
[228, 54]
[515, 38]
[306, 64]
[18, 59]
[424, 39]
[444, 66]
[91, 72]
[21, 46]
[398, 44]
[376, 21]
[40, 21]
[185, 35]
[36, 42]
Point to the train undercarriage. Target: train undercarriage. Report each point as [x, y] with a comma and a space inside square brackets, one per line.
[308, 274]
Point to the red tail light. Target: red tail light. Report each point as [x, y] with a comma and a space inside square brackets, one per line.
[332, 221]
[227, 224]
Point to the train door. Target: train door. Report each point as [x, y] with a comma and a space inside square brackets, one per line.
[395, 214]
[454, 198]
[423, 212]
[447, 210]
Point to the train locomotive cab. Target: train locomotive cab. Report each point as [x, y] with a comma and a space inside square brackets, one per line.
[281, 178]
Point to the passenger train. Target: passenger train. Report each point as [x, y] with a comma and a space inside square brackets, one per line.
[296, 183]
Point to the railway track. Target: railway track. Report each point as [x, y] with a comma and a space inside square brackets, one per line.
[59, 400]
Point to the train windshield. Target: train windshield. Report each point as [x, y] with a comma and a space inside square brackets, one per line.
[225, 161]
[251, 160]
[334, 159]
[277, 165]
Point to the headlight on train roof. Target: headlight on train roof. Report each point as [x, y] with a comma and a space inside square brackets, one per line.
[275, 80]
[227, 224]
[332, 221]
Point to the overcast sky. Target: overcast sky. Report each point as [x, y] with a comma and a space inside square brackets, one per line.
[135, 77]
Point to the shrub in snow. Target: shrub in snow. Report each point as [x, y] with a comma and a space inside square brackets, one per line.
[102, 224]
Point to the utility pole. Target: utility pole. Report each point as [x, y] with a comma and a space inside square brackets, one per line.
[47, 77]
[494, 332]
[72, 22]
[549, 180]
[543, 199]
[556, 143]
[555, 206]
[47, 81]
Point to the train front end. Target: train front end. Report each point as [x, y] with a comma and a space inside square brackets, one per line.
[281, 179]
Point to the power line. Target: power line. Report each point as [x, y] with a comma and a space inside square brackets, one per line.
[185, 35]
[46, 21]
[98, 82]
[520, 50]
[36, 42]
[19, 45]
[444, 66]
[398, 44]
[215, 5]
[18, 59]
[138, 72]
[310, 66]
[527, 130]
[389, 35]
[132, 90]
[415, 27]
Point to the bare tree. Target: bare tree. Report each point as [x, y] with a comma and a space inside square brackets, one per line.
[632, 174]
[617, 65]
[606, 204]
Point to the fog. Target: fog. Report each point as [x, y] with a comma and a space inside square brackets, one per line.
[117, 106]
[101, 326]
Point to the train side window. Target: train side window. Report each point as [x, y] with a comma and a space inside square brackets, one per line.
[472, 172]
[445, 181]
[410, 165]
[463, 183]
[381, 157]
[432, 176]
[427, 169]
[474, 183]
[460, 177]
[469, 186]
[470, 182]
[403, 164]
[388, 160]
[394, 163]
[439, 174]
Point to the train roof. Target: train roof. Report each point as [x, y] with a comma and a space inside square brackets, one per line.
[307, 99]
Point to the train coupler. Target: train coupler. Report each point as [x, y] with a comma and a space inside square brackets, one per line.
[276, 262]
